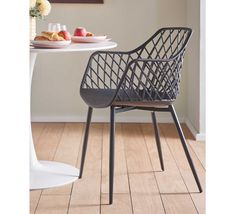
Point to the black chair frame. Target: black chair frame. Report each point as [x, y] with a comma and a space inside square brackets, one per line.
[146, 78]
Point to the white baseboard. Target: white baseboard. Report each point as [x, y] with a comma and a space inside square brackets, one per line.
[198, 136]
[120, 119]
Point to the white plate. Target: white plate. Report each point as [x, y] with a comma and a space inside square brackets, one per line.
[89, 39]
[50, 44]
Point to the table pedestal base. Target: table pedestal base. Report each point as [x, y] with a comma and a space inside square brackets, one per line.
[52, 174]
[47, 174]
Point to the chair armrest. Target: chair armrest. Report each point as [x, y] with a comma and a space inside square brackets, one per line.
[150, 79]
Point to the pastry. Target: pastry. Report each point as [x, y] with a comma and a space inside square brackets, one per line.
[89, 34]
[52, 36]
[40, 38]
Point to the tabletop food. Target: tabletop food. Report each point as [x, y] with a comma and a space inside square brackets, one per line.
[81, 31]
[62, 35]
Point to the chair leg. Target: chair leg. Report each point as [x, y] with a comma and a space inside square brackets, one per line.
[84, 147]
[183, 141]
[157, 138]
[111, 153]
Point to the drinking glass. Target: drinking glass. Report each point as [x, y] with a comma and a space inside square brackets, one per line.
[54, 27]
[58, 27]
[63, 27]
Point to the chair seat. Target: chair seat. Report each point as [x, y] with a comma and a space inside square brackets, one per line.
[101, 98]
[97, 98]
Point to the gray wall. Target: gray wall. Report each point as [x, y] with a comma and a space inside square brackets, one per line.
[195, 112]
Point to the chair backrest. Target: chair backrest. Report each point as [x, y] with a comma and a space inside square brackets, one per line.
[157, 80]
[165, 43]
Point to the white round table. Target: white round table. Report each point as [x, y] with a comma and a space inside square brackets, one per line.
[46, 174]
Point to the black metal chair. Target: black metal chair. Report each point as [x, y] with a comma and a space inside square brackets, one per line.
[146, 78]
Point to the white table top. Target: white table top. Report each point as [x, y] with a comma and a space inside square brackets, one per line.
[75, 47]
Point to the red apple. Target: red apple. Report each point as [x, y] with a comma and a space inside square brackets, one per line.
[80, 31]
[65, 34]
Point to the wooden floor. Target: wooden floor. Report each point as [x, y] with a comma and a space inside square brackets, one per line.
[140, 187]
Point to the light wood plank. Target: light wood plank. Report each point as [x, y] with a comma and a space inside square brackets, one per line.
[68, 149]
[62, 190]
[199, 201]
[197, 146]
[37, 129]
[121, 204]
[135, 148]
[34, 198]
[86, 191]
[199, 149]
[53, 204]
[120, 168]
[49, 140]
[199, 152]
[80, 209]
[67, 152]
[145, 194]
[170, 180]
[178, 204]
[149, 137]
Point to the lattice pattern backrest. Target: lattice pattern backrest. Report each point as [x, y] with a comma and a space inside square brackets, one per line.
[106, 69]
[165, 44]
[152, 80]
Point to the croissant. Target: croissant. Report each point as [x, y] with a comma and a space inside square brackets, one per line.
[52, 36]
[40, 38]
